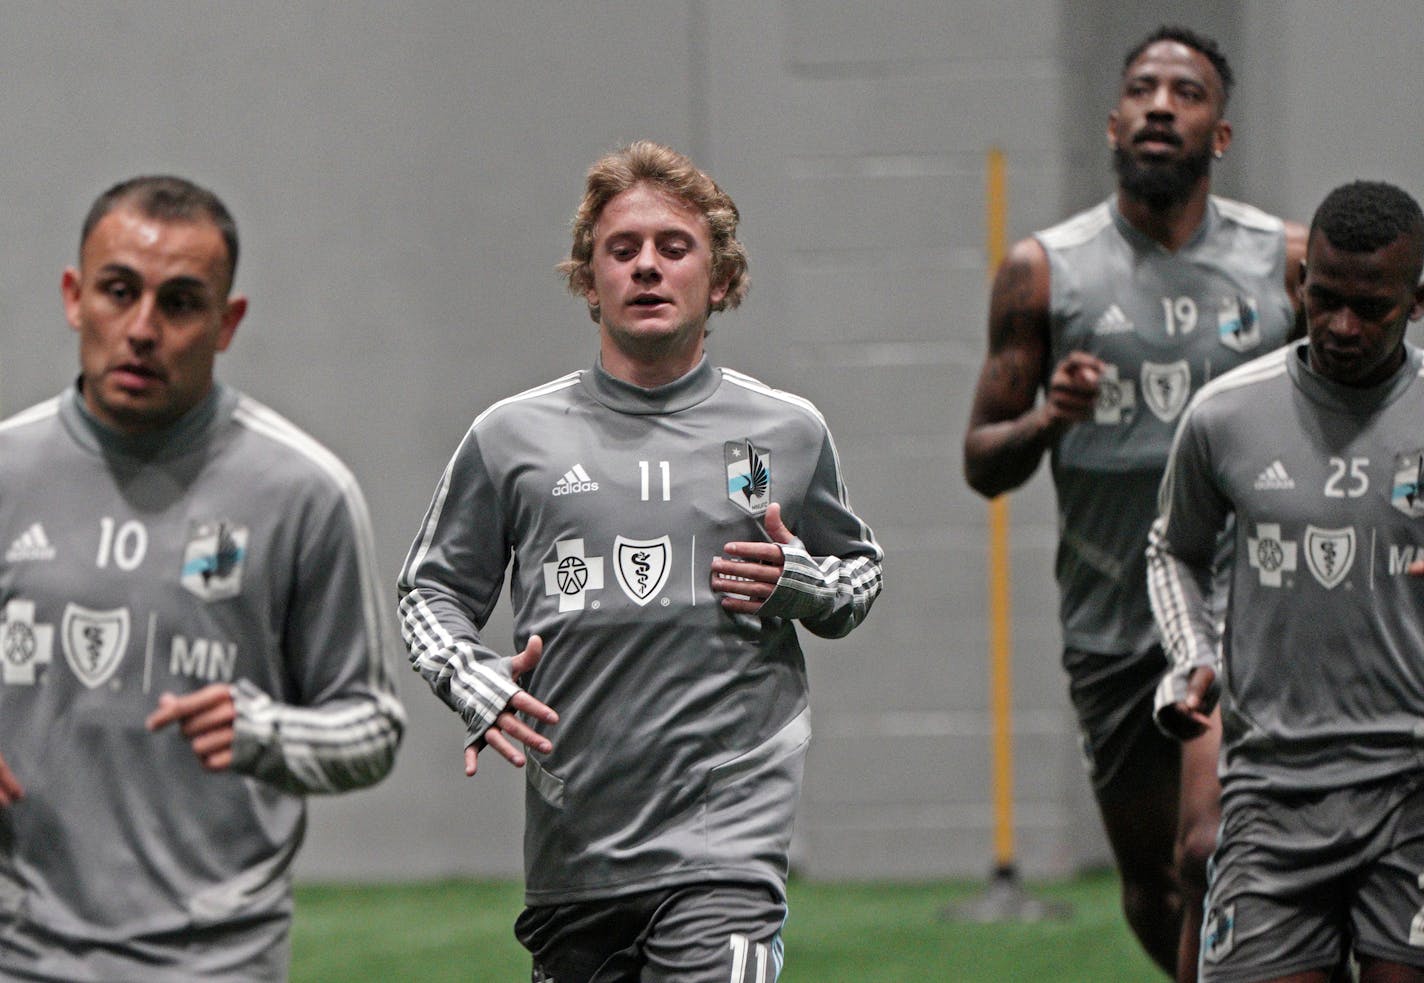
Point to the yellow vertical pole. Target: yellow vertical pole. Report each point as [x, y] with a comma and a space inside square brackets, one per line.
[1000, 606]
[1004, 900]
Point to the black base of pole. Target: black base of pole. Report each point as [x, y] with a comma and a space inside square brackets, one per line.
[1004, 900]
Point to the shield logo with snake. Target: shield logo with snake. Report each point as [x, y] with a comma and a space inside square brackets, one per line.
[642, 566]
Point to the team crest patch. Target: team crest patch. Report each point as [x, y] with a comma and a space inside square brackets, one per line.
[213, 560]
[1165, 388]
[1238, 323]
[642, 566]
[748, 475]
[1219, 932]
[1407, 495]
[1329, 553]
[1116, 399]
[94, 642]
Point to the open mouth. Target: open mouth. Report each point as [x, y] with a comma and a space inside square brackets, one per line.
[1157, 140]
[135, 374]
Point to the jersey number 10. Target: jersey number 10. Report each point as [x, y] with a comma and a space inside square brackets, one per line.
[127, 545]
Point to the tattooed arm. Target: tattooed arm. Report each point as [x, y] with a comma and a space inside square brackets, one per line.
[1008, 428]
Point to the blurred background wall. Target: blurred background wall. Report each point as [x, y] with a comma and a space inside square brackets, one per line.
[403, 176]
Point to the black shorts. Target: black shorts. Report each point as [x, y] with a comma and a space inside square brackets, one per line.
[1112, 695]
[691, 933]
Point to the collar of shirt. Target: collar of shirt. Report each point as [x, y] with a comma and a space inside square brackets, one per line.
[680, 394]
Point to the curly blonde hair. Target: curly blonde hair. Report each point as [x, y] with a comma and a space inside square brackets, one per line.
[646, 162]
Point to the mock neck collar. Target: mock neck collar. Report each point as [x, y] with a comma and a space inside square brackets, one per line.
[1353, 399]
[167, 442]
[680, 394]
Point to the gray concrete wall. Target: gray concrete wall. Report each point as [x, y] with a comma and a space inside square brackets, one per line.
[404, 173]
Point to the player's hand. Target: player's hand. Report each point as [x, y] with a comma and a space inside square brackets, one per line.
[507, 727]
[1415, 569]
[10, 788]
[207, 718]
[748, 574]
[1073, 390]
[1189, 717]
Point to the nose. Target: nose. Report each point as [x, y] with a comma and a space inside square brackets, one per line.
[1161, 103]
[645, 264]
[1344, 323]
[142, 327]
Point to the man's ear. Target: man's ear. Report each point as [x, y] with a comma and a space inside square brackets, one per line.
[70, 285]
[232, 316]
[1220, 137]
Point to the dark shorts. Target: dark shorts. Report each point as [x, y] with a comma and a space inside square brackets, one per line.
[692, 933]
[1112, 695]
[1298, 879]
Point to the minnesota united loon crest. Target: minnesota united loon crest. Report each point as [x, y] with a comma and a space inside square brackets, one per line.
[213, 560]
[748, 475]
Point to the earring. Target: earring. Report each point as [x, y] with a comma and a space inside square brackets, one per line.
[1218, 154]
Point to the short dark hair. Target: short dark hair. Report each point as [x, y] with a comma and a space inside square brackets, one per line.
[167, 199]
[1207, 47]
[1363, 216]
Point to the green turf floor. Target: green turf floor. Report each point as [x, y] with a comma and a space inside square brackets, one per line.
[837, 933]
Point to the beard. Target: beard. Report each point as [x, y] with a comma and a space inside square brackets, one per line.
[1160, 185]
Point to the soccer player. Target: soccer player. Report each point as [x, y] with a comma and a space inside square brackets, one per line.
[1317, 451]
[190, 627]
[1118, 315]
[668, 521]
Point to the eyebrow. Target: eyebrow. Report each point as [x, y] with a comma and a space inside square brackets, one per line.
[182, 280]
[666, 230]
[1168, 77]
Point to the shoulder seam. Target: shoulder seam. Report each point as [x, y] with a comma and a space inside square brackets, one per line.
[40, 411]
[1076, 230]
[553, 386]
[260, 418]
[1259, 370]
[1248, 215]
[442, 488]
[751, 384]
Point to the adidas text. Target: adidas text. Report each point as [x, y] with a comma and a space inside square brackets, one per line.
[573, 488]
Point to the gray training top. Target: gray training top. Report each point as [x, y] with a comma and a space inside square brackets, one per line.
[1323, 678]
[228, 548]
[1164, 323]
[678, 753]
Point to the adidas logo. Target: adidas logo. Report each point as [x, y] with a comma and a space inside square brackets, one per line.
[32, 544]
[1113, 321]
[575, 480]
[1274, 478]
